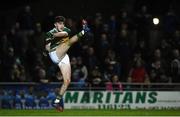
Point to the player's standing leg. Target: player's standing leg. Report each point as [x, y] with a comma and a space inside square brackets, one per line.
[65, 68]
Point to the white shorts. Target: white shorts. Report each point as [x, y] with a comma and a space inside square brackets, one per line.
[56, 60]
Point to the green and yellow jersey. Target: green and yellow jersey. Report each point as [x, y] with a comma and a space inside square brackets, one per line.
[54, 42]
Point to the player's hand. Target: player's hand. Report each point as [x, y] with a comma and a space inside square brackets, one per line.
[47, 47]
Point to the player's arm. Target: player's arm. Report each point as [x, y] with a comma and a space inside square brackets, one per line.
[60, 34]
[47, 47]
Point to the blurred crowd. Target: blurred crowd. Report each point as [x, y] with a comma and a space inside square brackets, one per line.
[124, 47]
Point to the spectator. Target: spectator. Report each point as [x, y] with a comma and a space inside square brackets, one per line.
[170, 23]
[103, 45]
[17, 73]
[158, 73]
[114, 84]
[90, 59]
[143, 19]
[113, 29]
[26, 20]
[8, 61]
[141, 48]
[83, 73]
[98, 21]
[38, 41]
[123, 50]
[111, 67]
[165, 49]
[75, 73]
[96, 81]
[4, 44]
[16, 38]
[79, 72]
[124, 18]
[175, 67]
[40, 74]
[138, 73]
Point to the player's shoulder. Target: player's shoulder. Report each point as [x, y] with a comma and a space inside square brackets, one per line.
[54, 30]
[67, 29]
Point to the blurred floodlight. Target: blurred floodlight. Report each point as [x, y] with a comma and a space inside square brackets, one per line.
[155, 21]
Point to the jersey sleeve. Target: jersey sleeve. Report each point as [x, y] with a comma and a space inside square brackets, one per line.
[67, 30]
[49, 35]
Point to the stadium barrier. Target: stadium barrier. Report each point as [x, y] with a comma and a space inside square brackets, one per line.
[131, 96]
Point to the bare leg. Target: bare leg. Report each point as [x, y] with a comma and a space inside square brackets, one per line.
[65, 69]
[64, 47]
[66, 73]
[73, 39]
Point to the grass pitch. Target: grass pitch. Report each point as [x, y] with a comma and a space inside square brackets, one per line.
[72, 112]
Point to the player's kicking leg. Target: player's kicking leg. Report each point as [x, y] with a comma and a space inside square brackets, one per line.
[63, 48]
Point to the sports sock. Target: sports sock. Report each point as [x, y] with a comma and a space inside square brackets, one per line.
[80, 34]
[59, 97]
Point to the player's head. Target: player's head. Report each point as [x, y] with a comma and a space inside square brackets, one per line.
[59, 22]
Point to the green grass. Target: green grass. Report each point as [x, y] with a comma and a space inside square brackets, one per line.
[72, 112]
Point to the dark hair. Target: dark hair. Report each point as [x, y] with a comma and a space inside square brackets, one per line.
[59, 19]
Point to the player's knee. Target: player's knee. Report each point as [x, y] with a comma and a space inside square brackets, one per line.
[67, 81]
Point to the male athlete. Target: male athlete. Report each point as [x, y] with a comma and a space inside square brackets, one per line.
[57, 45]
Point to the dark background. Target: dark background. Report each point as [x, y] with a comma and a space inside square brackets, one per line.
[9, 8]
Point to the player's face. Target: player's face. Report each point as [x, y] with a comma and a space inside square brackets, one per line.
[59, 26]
